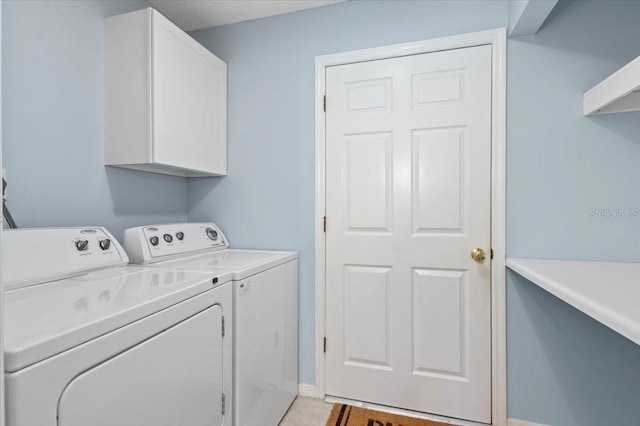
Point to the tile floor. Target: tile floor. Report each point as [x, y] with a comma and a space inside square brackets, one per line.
[307, 412]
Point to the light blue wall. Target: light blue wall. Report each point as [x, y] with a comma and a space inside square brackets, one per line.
[53, 100]
[565, 369]
[268, 197]
[562, 165]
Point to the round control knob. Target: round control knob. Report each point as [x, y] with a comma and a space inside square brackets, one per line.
[154, 241]
[105, 244]
[180, 236]
[82, 245]
[212, 233]
[167, 237]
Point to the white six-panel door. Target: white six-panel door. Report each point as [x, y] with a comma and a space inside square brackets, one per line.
[408, 191]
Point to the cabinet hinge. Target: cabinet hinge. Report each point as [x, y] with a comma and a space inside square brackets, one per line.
[223, 327]
[223, 404]
[324, 104]
[324, 226]
[491, 252]
[324, 345]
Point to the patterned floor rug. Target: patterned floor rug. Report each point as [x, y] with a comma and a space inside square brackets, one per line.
[346, 415]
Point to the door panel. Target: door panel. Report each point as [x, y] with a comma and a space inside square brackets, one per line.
[435, 87]
[438, 178]
[368, 182]
[368, 96]
[408, 176]
[366, 339]
[438, 322]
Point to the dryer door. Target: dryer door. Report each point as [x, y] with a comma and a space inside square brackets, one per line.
[171, 379]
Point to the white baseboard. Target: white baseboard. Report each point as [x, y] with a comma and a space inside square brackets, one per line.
[305, 389]
[516, 422]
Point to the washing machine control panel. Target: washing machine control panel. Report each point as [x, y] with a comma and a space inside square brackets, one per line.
[56, 253]
[149, 244]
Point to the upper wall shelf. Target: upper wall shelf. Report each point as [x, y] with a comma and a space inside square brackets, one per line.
[620, 92]
[608, 292]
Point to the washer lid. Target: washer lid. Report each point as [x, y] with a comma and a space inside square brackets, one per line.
[241, 263]
[46, 319]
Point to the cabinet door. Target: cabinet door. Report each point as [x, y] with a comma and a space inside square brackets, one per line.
[189, 101]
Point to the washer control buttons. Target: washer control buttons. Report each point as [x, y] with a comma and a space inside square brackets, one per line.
[167, 237]
[154, 241]
[105, 244]
[212, 233]
[180, 236]
[82, 245]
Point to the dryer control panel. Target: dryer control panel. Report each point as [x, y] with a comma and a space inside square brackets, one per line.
[38, 255]
[155, 243]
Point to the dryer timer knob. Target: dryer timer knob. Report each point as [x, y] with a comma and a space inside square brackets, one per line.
[82, 245]
[105, 244]
[212, 233]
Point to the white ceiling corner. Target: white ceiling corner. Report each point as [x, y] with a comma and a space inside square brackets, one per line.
[198, 14]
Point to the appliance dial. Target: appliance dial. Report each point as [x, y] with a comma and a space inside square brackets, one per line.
[180, 236]
[105, 244]
[167, 237]
[212, 234]
[82, 245]
[154, 241]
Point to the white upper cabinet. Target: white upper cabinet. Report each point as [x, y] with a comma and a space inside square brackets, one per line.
[166, 98]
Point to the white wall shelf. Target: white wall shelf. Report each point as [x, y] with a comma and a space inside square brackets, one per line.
[608, 292]
[620, 92]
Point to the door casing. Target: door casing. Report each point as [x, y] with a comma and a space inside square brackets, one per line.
[497, 39]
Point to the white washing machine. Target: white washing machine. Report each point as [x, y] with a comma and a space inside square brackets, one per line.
[265, 310]
[89, 342]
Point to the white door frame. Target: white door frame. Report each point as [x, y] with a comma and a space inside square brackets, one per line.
[498, 40]
[2, 395]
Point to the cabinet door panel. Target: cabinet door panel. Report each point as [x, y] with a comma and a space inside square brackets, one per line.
[189, 101]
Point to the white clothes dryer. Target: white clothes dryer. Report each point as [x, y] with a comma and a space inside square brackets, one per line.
[91, 342]
[265, 310]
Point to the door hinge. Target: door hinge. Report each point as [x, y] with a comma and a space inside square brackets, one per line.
[324, 104]
[324, 345]
[491, 252]
[223, 326]
[223, 404]
[324, 226]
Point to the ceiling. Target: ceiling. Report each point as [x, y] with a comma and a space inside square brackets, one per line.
[197, 14]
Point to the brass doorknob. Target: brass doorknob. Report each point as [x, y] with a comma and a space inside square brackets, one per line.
[478, 254]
